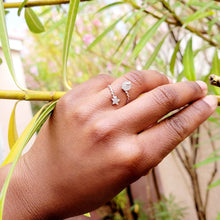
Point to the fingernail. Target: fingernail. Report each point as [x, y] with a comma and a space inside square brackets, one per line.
[203, 86]
[211, 100]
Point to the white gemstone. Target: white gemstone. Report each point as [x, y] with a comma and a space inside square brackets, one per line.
[126, 86]
[115, 100]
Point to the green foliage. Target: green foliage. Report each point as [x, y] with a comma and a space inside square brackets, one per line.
[33, 21]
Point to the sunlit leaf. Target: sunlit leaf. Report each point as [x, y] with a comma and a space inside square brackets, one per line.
[109, 6]
[33, 22]
[12, 128]
[5, 44]
[33, 126]
[154, 54]
[208, 160]
[146, 37]
[188, 62]
[71, 18]
[203, 4]
[173, 58]
[106, 31]
[21, 7]
[215, 70]
[216, 183]
[199, 13]
[130, 42]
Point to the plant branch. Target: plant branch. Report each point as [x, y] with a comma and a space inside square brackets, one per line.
[36, 3]
[30, 95]
[179, 22]
[214, 169]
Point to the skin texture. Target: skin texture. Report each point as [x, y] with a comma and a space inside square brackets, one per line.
[89, 150]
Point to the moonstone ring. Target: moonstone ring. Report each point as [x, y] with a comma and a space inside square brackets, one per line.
[126, 86]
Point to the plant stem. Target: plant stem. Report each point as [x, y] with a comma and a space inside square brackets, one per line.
[30, 95]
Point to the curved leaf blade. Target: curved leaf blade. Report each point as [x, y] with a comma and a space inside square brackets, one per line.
[21, 7]
[99, 38]
[33, 22]
[154, 54]
[5, 44]
[109, 6]
[12, 128]
[216, 183]
[188, 62]
[146, 37]
[173, 58]
[71, 18]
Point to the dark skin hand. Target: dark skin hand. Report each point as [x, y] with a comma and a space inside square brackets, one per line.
[89, 150]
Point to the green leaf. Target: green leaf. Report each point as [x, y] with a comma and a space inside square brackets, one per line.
[71, 18]
[33, 22]
[202, 4]
[12, 128]
[173, 58]
[207, 161]
[147, 36]
[21, 7]
[99, 38]
[154, 54]
[1, 61]
[109, 6]
[131, 40]
[188, 62]
[199, 13]
[5, 44]
[218, 217]
[216, 183]
[33, 126]
[215, 70]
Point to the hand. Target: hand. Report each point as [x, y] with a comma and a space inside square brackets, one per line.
[89, 149]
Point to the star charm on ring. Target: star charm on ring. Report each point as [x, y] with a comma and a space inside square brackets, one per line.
[115, 100]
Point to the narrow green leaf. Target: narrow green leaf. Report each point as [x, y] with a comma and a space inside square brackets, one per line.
[188, 62]
[5, 44]
[199, 13]
[33, 22]
[0, 60]
[173, 58]
[22, 6]
[216, 183]
[147, 36]
[218, 217]
[154, 54]
[207, 161]
[107, 30]
[71, 18]
[202, 4]
[109, 6]
[12, 128]
[215, 70]
[20, 144]
[131, 40]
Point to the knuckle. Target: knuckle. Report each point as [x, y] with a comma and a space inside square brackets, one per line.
[107, 79]
[177, 125]
[100, 130]
[131, 157]
[80, 113]
[165, 96]
[136, 77]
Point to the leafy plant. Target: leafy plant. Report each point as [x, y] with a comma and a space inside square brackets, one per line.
[169, 36]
